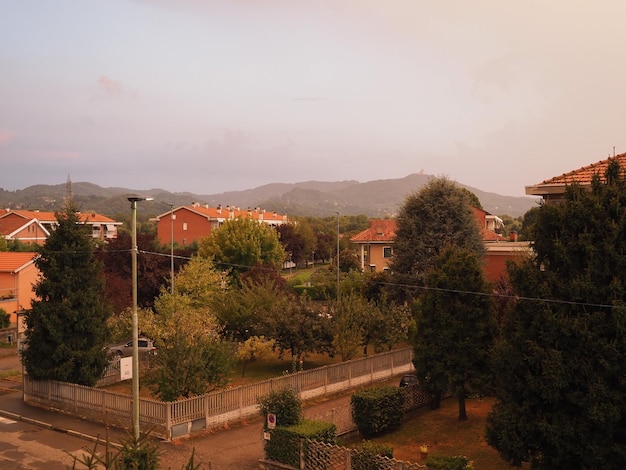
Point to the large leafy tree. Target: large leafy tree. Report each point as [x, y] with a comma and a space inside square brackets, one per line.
[67, 324]
[240, 244]
[455, 327]
[436, 217]
[561, 365]
[153, 269]
[298, 240]
[192, 358]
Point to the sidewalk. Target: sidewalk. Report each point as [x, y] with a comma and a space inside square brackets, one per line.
[238, 447]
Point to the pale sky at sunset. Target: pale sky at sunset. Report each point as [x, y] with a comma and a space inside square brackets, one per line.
[208, 96]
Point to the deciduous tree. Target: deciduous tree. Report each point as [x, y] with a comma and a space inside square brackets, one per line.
[240, 244]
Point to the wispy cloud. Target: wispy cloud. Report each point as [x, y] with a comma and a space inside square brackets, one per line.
[110, 86]
[6, 136]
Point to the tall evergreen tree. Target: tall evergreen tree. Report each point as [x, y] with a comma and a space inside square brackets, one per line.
[437, 216]
[67, 324]
[455, 327]
[561, 364]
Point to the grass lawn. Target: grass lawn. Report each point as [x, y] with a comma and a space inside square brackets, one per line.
[446, 435]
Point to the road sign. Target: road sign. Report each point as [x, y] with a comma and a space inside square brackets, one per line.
[271, 420]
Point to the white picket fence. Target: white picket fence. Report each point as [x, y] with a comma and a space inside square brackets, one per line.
[170, 420]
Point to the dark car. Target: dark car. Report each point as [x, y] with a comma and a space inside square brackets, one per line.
[146, 346]
[408, 379]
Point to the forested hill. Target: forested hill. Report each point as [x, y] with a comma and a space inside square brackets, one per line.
[376, 199]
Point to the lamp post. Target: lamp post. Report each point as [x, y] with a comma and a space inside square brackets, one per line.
[133, 205]
[337, 254]
[172, 245]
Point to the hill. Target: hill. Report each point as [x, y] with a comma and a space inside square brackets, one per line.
[376, 199]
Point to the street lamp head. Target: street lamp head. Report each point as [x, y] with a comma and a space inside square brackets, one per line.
[139, 198]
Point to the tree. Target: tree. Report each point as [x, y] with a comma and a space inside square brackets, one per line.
[66, 328]
[297, 239]
[455, 327]
[347, 320]
[244, 312]
[153, 269]
[192, 358]
[560, 366]
[240, 244]
[255, 347]
[298, 327]
[5, 318]
[436, 217]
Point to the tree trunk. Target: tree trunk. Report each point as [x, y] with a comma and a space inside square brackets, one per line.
[462, 410]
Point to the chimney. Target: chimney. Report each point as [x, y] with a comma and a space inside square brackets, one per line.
[219, 208]
[513, 236]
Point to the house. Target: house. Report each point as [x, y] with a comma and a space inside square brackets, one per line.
[186, 224]
[376, 245]
[553, 189]
[33, 227]
[18, 274]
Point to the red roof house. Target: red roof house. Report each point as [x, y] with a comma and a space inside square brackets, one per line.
[189, 223]
[18, 274]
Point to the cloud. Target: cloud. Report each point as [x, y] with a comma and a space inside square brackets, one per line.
[6, 136]
[109, 85]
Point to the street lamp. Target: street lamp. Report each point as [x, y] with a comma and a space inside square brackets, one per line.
[337, 254]
[133, 205]
[172, 245]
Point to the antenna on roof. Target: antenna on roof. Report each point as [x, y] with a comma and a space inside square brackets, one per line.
[614, 151]
[68, 192]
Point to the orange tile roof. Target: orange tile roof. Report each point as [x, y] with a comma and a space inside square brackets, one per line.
[585, 174]
[380, 231]
[48, 216]
[8, 226]
[225, 213]
[14, 261]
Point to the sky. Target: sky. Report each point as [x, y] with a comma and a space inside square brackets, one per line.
[209, 96]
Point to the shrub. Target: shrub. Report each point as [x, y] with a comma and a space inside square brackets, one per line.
[284, 443]
[5, 318]
[442, 462]
[377, 410]
[285, 404]
[368, 456]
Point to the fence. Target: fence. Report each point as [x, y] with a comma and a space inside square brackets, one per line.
[169, 420]
[315, 455]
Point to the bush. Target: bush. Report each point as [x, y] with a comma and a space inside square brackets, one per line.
[285, 404]
[442, 462]
[5, 318]
[369, 455]
[377, 410]
[284, 443]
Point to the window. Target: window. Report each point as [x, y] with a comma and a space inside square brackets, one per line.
[387, 252]
[185, 241]
[184, 225]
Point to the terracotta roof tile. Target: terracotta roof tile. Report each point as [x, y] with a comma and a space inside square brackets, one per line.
[14, 261]
[585, 174]
[379, 231]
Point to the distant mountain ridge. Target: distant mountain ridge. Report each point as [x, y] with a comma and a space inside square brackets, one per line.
[376, 199]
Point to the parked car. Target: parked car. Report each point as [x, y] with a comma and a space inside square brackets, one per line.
[145, 346]
[408, 379]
